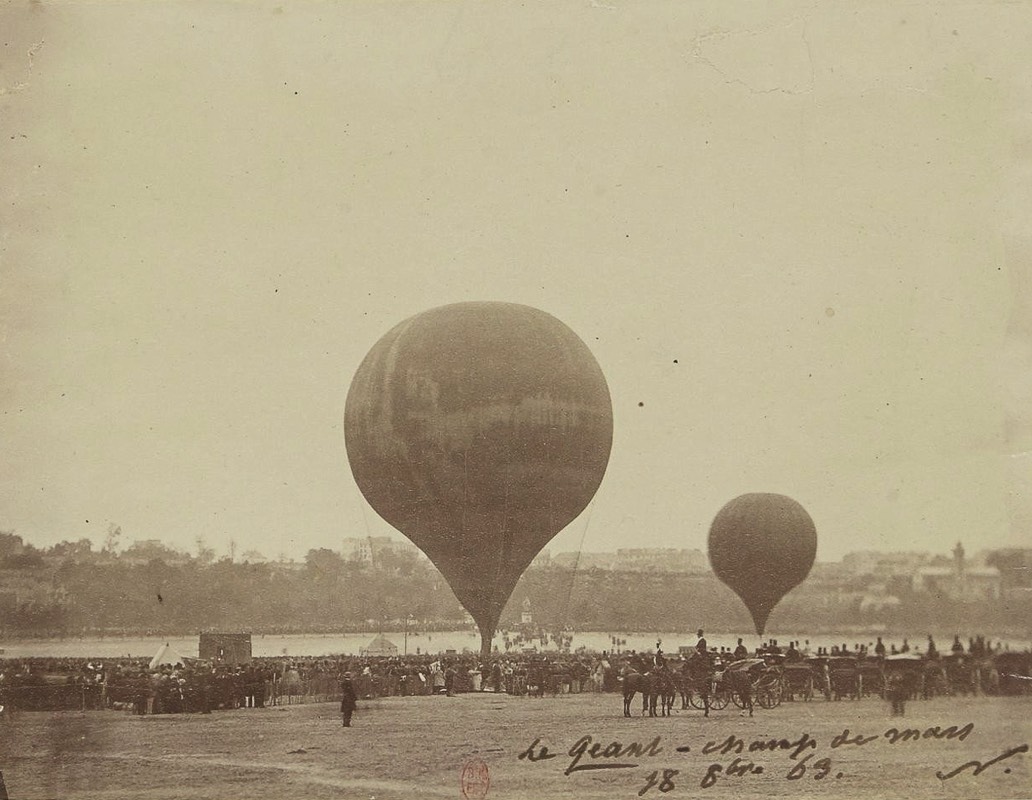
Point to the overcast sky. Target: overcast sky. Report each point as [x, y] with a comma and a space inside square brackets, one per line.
[795, 239]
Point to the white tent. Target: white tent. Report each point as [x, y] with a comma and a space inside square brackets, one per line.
[166, 655]
[381, 646]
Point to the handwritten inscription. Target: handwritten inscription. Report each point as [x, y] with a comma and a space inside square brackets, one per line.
[732, 744]
[585, 746]
[751, 757]
[977, 767]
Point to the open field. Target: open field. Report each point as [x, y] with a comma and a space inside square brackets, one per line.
[417, 747]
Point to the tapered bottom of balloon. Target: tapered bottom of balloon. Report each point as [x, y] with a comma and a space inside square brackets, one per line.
[486, 637]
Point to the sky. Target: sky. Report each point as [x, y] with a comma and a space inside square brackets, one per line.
[794, 237]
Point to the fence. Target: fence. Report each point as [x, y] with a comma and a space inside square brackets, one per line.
[53, 697]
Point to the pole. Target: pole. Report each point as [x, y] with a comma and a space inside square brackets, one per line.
[406, 634]
[485, 644]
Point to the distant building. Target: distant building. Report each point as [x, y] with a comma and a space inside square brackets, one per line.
[542, 559]
[884, 565]
[960, 581]
[357, 550]
[878, 599]
[637, 559]
[574, 560]
[661, 559]
[526, 618]
[367, 548]
[1015, 565]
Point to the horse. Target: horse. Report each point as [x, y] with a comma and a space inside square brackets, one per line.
[740, 683]
[633, 682]
[664, 690]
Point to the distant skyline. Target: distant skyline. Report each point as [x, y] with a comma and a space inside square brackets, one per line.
[794, 238]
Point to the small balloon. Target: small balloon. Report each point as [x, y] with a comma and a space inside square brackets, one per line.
[479, 430]
[762, 546]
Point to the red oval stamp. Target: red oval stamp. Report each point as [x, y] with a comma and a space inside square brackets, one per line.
[476, 780]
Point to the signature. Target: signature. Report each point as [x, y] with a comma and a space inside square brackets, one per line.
[977, 767]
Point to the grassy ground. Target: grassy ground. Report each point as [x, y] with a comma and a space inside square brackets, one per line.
[417, 747]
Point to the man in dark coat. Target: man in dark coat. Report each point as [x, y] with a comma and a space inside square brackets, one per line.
[896, 692]
[347, 700]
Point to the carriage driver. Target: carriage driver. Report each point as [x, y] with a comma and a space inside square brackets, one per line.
[700, 646]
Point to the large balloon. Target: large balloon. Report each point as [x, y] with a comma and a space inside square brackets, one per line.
[762, 546]
[479, 430]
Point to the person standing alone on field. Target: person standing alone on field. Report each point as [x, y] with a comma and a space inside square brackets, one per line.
[896, 692]
[347, 700]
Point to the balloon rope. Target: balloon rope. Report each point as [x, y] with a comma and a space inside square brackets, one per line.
[576, 561]
[369, 532]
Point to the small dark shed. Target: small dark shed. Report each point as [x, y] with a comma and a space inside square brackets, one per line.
[225, 648]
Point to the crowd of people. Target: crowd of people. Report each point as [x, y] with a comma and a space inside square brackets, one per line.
[199, 686]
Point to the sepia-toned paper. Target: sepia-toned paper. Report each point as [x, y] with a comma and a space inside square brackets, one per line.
[795, 236]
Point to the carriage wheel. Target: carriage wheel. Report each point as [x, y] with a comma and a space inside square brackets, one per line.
[736, 698]
[719, 700]
[695, 701]
[769, 696]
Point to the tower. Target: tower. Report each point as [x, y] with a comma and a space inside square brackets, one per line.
[958, 559]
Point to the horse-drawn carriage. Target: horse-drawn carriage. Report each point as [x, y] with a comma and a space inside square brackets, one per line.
[934, 681]
[754, 679]
[963, 673]
[908, 669]
[872, 677]
[798, 680]
[1012, 673]
[701, 684]
[821, 679]
[843, 677]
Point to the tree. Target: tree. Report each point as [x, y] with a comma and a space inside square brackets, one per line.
[151, 550]
[205, 554]
[324, 563]
[81, 550]
[29, 558]
[10, 544]
[114, 533]
[398, 562]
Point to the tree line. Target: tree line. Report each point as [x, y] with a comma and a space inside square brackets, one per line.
[71, 589]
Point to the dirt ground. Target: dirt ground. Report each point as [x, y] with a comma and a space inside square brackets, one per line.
[418, 747]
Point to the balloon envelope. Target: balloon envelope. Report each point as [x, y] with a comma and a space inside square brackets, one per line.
[479, 430]
[762, 546]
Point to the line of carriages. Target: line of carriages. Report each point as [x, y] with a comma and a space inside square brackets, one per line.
[776, 679]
